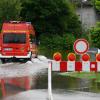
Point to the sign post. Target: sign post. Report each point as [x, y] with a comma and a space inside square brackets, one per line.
[50, 97]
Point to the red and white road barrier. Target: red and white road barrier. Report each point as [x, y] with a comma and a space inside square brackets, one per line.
[72, 65]
[68, 66]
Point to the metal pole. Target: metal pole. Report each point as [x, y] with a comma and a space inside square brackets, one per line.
[50, 97]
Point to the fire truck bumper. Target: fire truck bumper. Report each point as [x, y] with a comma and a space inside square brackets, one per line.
[27, 56]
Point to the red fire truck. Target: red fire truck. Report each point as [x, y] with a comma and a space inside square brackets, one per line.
[17, 41]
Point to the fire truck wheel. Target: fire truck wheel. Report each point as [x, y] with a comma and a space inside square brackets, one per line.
[3, 60]
[25, 60]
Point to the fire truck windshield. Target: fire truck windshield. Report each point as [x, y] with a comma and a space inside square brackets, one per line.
[14, 38]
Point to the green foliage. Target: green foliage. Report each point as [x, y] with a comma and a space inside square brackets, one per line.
[95, 35]
[53, 19]
[51, 16]
[9, 10]
[56, 43]
[97, 4]
[98, 24]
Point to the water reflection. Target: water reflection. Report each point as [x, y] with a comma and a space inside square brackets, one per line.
[60, 84]
[67, 83]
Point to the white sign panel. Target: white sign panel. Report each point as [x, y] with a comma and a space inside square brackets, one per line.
[86, 66]
[55, 66]
[71, 65]
[81, 46]
[98, 66]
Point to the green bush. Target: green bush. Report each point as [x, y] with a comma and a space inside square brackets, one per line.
[95, 35]
[9, 10]
[56, 43]
[97, 4]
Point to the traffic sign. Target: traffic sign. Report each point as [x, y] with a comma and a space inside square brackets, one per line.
[81, 46]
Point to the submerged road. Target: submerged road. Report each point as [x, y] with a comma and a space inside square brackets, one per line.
[31, 68]
[11, 70]
[43, 95]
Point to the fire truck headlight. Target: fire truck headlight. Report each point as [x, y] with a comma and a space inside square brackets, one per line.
[8, 49]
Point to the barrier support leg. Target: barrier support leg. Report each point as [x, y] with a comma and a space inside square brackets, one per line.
[50, 97]
[3, 87]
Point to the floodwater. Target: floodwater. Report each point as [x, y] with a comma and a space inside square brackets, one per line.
[63, 87]
[67, 83]
[42, 95]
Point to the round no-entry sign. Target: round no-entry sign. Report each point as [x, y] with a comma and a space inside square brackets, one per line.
[81, 46]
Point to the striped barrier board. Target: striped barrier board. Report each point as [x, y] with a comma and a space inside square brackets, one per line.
[81, 66]
[70, 66]
[81, 47]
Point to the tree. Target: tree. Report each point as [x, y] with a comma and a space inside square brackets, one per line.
[95, 35]
[56, 43]
[9, 10]
[51, 16]
[97, 4]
